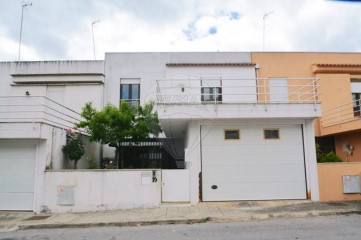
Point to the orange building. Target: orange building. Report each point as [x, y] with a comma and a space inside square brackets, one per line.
[339, 74]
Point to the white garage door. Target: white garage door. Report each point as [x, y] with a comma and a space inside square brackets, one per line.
[17, 165]
[252, 167]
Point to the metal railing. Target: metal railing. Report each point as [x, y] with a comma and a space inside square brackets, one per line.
[260, 90]
[36, 109]
[342, 114]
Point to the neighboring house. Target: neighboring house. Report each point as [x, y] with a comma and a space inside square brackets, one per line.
[339, 75]
[242, 138]
[38, 102]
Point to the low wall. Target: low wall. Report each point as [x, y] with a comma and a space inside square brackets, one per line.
[330, 180]
[97, 190]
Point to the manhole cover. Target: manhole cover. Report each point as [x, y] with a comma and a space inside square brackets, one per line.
[38, 217]
[338, 204]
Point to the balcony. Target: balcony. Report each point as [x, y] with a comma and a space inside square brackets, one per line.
[238, 98]
[345, 117]
[36, 109]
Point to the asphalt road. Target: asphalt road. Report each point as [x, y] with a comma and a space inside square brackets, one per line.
[330, 228]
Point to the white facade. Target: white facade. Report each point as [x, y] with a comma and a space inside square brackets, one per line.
[38, 102]
[176, 82]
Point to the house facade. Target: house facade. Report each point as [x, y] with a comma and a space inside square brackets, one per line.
[243, 137]
[39, 101]
[237, 130]
[339, 75]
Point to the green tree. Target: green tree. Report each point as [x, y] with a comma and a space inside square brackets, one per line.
[74, 148]
[112, 125]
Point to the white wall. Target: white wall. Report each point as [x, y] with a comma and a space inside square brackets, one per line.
[193, 159]
[149, 67]
[76, 82]
[82, 80]
[102, 190]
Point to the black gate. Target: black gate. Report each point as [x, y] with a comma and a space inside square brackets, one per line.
[147, 154]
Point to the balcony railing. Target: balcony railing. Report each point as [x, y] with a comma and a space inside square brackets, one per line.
[341, 114]
[219, 91]
[36, 109]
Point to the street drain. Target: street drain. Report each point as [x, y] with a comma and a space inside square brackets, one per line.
[38, 217]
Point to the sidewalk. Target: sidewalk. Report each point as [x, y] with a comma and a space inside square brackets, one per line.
[178, 214]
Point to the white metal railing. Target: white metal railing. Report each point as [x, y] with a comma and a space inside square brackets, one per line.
[341, 114]
[260, 90]
[36, 109]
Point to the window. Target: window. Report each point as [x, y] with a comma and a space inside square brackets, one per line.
[231, 134]
[211, 90]
[211, 94]
[271, 133]
[356, 96]
[130, 93]
[356, 102]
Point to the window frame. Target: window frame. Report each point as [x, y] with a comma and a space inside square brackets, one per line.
[213, 94]
[231, 139]
[356, 104]
[271, 129]
[130, 99]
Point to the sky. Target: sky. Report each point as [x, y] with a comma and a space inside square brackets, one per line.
[62, 29]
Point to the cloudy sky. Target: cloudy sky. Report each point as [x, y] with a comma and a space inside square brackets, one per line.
[61, 29]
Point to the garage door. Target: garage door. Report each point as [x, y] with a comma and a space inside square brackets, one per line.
[17, 166]
[252, 166]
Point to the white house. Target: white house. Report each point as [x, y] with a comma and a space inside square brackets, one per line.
[244, 138]
[38, 102]
[239, 137]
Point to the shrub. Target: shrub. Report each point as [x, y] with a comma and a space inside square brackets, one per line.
[330, 157]
[326, 157]
[74, 147]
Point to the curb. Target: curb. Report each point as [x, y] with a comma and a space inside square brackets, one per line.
[115, 224]
[242, 218]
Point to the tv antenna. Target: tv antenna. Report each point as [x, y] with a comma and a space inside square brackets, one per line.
[265, 16]
[94, 22]
[24, 5]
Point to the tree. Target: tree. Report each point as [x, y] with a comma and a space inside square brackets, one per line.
[74, 148]
[112, 125]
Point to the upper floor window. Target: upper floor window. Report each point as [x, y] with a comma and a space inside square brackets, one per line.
[356, 97]
[211, 94]
[211, 90]
[130, 91]
[356, 102]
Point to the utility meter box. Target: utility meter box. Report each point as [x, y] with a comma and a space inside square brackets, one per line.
[65, 195]
[351, 184]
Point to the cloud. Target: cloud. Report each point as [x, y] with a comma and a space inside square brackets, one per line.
[61, 29]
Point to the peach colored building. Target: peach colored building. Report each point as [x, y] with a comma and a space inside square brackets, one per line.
[339, 128]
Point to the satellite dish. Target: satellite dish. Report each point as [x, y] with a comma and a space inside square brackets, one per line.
[347, 149]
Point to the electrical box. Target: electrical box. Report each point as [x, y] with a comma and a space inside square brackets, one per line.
[65, 195]
[146, 178]
[351, 184]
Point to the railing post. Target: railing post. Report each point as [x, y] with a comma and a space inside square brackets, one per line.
[264, 90]
[314, 91]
